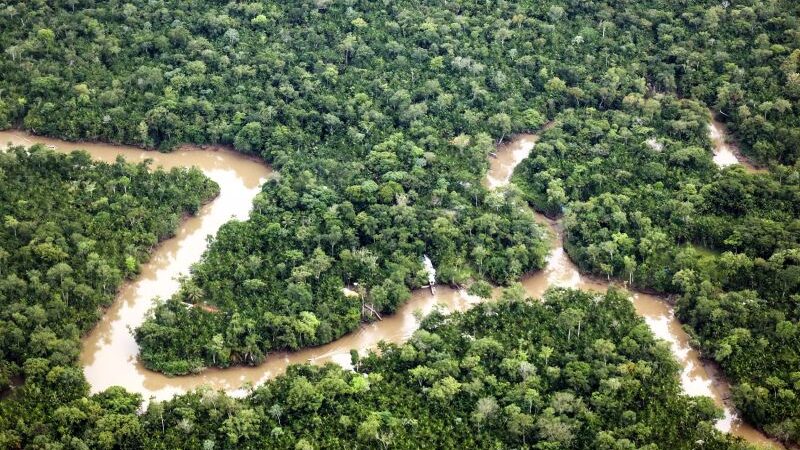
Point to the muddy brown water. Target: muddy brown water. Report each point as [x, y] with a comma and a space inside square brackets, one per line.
[726, 152]
[698, 377]
[109, 352]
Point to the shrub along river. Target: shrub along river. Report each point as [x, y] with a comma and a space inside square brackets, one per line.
[109, 352]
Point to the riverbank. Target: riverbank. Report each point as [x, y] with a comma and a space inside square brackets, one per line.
[109, 352]
[699, 377]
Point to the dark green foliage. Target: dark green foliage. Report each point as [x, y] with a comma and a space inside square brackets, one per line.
[279, 276]
[573, 371]
[380, 116]
[643, 202]
[72, 231]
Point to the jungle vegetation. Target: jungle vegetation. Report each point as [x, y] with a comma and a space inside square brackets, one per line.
[660, 216]
[72, 231]
[380, 116]
[572, 370]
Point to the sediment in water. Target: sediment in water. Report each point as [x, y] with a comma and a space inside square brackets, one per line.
[109, 352]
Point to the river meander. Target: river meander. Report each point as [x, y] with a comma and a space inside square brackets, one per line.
[109, 352]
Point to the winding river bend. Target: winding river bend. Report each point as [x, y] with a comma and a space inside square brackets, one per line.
[109, 352]
[698, 377]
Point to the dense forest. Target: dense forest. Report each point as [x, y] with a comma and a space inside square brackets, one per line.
[572, 371]
[659, 215]
[72, 231]
[380, 117]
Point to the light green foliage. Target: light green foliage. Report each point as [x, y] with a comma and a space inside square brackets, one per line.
[380, 117]
[489, 390]
[69, 237]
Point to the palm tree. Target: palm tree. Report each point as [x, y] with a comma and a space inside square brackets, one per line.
[193, 292]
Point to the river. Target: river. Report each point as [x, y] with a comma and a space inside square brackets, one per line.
[727, 153]
[698, 377]
[109, 352]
